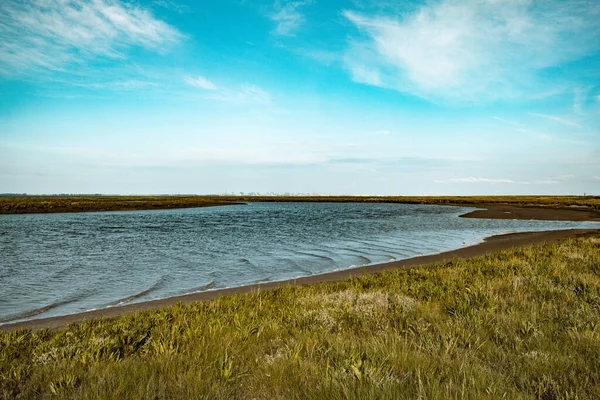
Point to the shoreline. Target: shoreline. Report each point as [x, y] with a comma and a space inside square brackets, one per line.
[495, 211]
[491, 244]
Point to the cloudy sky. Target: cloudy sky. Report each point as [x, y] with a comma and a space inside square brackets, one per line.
[341, 97]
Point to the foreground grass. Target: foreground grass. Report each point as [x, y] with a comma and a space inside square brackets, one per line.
[52, 204]
[518, 324]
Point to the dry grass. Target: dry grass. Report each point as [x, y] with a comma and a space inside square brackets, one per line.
[20, 205]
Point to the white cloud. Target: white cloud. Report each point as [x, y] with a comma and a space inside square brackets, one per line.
[200, 82]
[122, 85]
[507, 121]
[557, 119]
[369, 76]
[287, 17]
[476, 180]
[171, 5]
[565, 177]
[38, 35]
[556, 179]
[246, 94]
[474, 49]
[579, 99]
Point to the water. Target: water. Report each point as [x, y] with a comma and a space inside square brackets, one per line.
[57, 264]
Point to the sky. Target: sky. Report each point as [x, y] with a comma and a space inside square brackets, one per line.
[366, 97]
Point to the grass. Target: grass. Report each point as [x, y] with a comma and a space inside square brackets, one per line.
[56, 204]
[589, 202]
[517, 324]
[49, 204]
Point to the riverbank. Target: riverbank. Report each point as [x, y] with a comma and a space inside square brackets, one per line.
[519, 323]
[490, 245]
[494, 211]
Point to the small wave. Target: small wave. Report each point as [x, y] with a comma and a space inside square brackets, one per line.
[110, 228]
[29, 314]
[365, 259]
[160, 283]
[298, 267]
[170, 257]
[159, 228]
[249, 263]
[75, 233]
[62, 272]
[41, 310]
[210, 285]
[316, 255]
[373, 246]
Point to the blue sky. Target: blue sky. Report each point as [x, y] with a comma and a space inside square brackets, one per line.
[340, 97]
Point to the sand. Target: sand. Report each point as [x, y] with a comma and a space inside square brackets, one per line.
[537, 213]
[490, 245]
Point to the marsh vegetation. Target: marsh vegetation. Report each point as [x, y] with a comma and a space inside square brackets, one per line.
[51, 204]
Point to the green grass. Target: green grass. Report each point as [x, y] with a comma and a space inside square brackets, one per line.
[517, 324]
[588, 202]
[51, 204]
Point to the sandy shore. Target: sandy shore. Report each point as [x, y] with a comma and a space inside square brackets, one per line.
[493, 211]
[490, 245]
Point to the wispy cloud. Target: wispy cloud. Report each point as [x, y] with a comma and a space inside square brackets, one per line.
[39, 35]
[556, 179]
[370, 76]
[439, 51]
[476, 180]
[287, 17]
[200, 82]
[562, 178]
[171, 5]
[120, 85]
[507, 121]
[247, 93]
[554, 118]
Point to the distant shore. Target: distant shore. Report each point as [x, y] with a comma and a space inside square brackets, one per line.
[566, 208]
[495, 211]
[490, 245]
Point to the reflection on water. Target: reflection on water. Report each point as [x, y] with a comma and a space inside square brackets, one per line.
[55, 264]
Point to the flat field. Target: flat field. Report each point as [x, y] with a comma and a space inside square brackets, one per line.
[49, 204]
